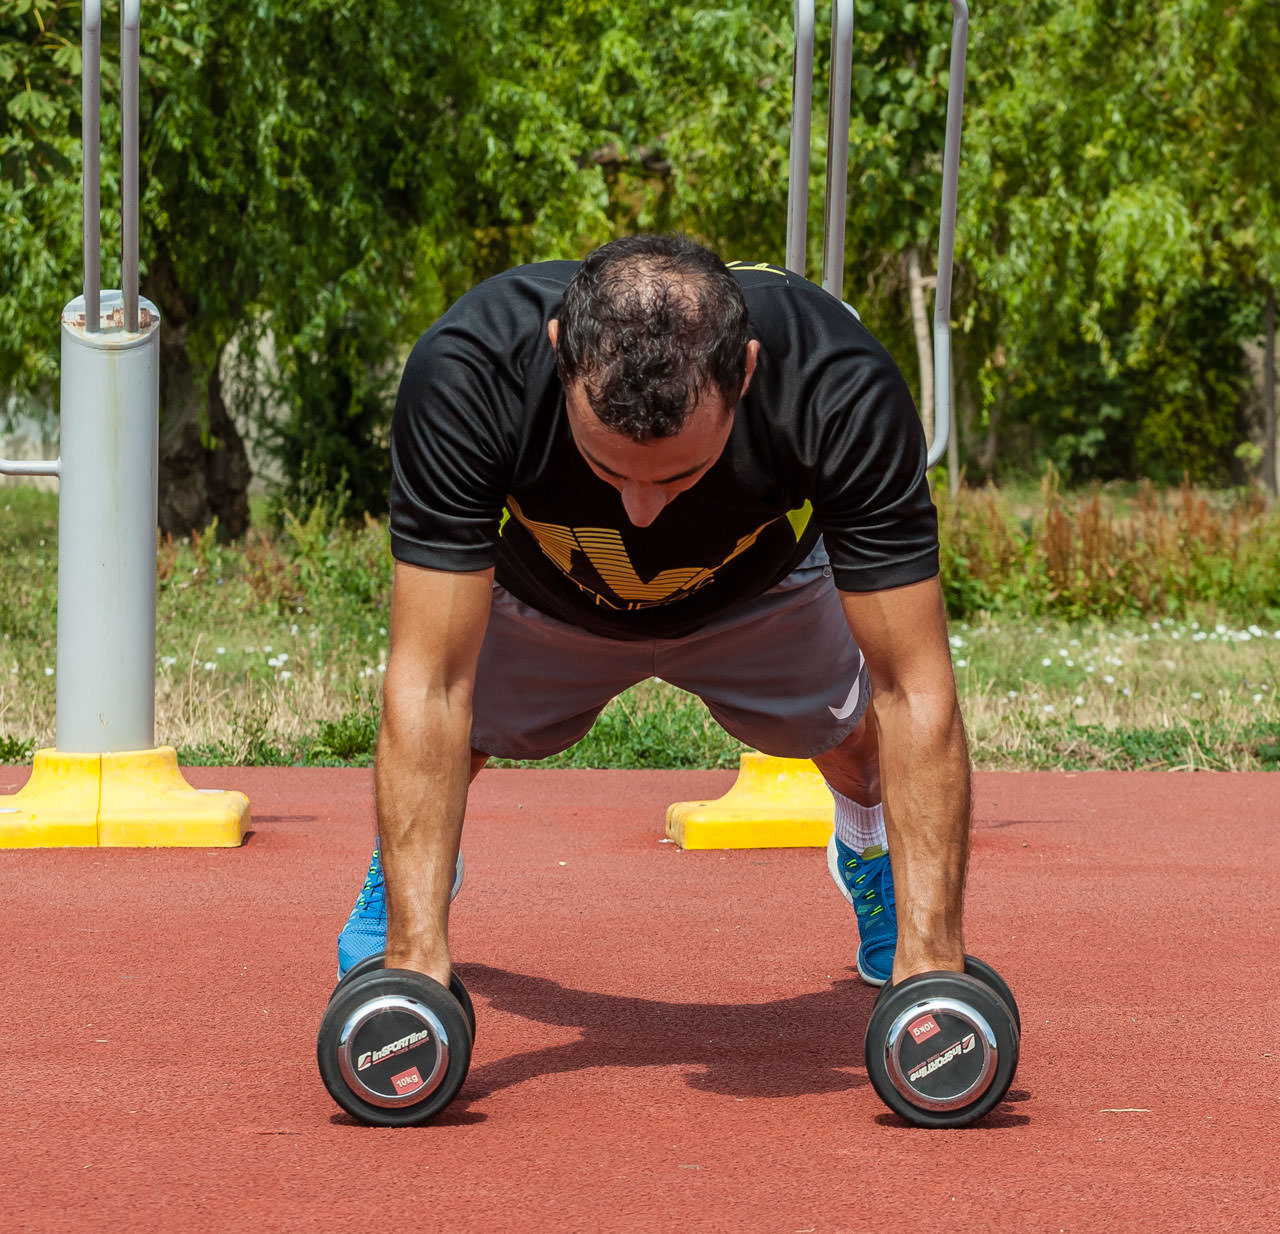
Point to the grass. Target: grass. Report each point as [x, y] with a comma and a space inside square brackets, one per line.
[1164, 694]
[271, 651]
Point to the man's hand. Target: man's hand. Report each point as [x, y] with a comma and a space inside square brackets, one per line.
[438, 621]
[924, 768]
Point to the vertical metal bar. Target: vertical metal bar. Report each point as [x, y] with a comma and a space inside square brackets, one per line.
[130, 23]
[838, 146]
[947, 233]
[90, 90]
[801, 118]
[109, 410]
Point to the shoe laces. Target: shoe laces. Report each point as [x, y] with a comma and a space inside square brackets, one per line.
[372, 894]
[874, 886]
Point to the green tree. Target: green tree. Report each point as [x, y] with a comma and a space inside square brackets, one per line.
[1235, 93]
[321, 178]
[39, 189]
[1104, 233]
[901, 76]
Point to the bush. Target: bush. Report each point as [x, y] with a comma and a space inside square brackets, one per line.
[1088, 556]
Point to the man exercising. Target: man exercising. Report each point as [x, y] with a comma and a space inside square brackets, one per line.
[651, 464]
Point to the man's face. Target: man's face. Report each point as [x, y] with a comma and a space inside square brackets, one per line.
[650, 475]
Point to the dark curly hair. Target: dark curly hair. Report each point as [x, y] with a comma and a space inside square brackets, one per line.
[649, 325]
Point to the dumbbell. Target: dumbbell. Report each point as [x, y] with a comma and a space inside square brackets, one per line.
[394, 1045]
[942, 1048]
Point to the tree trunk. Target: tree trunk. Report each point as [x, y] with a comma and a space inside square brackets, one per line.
[204, 469]
[1270, 455]
[924, 349]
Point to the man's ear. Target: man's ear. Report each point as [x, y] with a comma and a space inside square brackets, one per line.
[553, 330]
[753, 351]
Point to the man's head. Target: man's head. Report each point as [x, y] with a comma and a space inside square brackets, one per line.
[650, 325]
[653, 349]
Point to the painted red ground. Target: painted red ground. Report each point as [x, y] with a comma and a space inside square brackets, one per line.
[667, 1040]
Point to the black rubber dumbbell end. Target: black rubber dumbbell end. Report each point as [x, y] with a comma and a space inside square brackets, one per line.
[394, 1046]
[942, 1048]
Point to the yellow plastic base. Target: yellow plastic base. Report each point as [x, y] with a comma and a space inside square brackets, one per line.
[134, 799]
[774, 803]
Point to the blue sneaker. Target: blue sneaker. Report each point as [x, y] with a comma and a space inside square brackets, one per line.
[365, 933]
[866, 881]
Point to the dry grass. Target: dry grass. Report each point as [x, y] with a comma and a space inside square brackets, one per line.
[1086, 556]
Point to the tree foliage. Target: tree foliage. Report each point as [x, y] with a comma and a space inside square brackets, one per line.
[321, 178]
[1118, 224]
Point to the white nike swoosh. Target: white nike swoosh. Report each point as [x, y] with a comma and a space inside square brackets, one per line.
[843, 713]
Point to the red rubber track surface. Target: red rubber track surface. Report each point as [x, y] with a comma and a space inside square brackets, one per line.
[667, 1040]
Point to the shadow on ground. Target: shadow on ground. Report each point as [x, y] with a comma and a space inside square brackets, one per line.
[808, 1044]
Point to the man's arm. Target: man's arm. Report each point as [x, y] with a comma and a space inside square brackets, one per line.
[438, 621]
[924, 767]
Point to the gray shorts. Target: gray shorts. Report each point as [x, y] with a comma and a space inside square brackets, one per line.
[781, 672]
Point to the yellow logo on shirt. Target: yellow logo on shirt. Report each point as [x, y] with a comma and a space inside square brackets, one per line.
[605, 551]
[767, 266]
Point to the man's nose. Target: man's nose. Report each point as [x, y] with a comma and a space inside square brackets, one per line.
[643, 502]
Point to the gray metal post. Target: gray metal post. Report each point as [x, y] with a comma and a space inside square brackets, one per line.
[110, 416]
[947, 234]
[107, 530]
[106, 783]
[90, 91]
[130, 23]
[837, 187]
[838, 147]
[801, 118]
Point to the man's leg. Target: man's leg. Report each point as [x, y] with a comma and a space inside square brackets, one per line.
[853, 767]
[858, 851]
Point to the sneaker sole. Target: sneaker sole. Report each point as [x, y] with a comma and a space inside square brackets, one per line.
[833, 868]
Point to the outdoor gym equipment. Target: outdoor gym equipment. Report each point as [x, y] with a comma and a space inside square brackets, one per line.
[783, 802]
[105, 782]
[837, 177]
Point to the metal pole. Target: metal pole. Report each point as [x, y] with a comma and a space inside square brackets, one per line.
[947, 234]
[130, 23]
[90, 77]
[28, 466]
[110, 427]
[801, 118]
[838, 147]
[105, 783]
[107, 531]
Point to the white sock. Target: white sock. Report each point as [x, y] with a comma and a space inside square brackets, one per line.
[859, 827]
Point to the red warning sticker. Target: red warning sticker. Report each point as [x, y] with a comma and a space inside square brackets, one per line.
[407, 1081]
[923, 1028]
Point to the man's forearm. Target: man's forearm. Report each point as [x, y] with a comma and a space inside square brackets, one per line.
[422, 774]
[926, 786]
